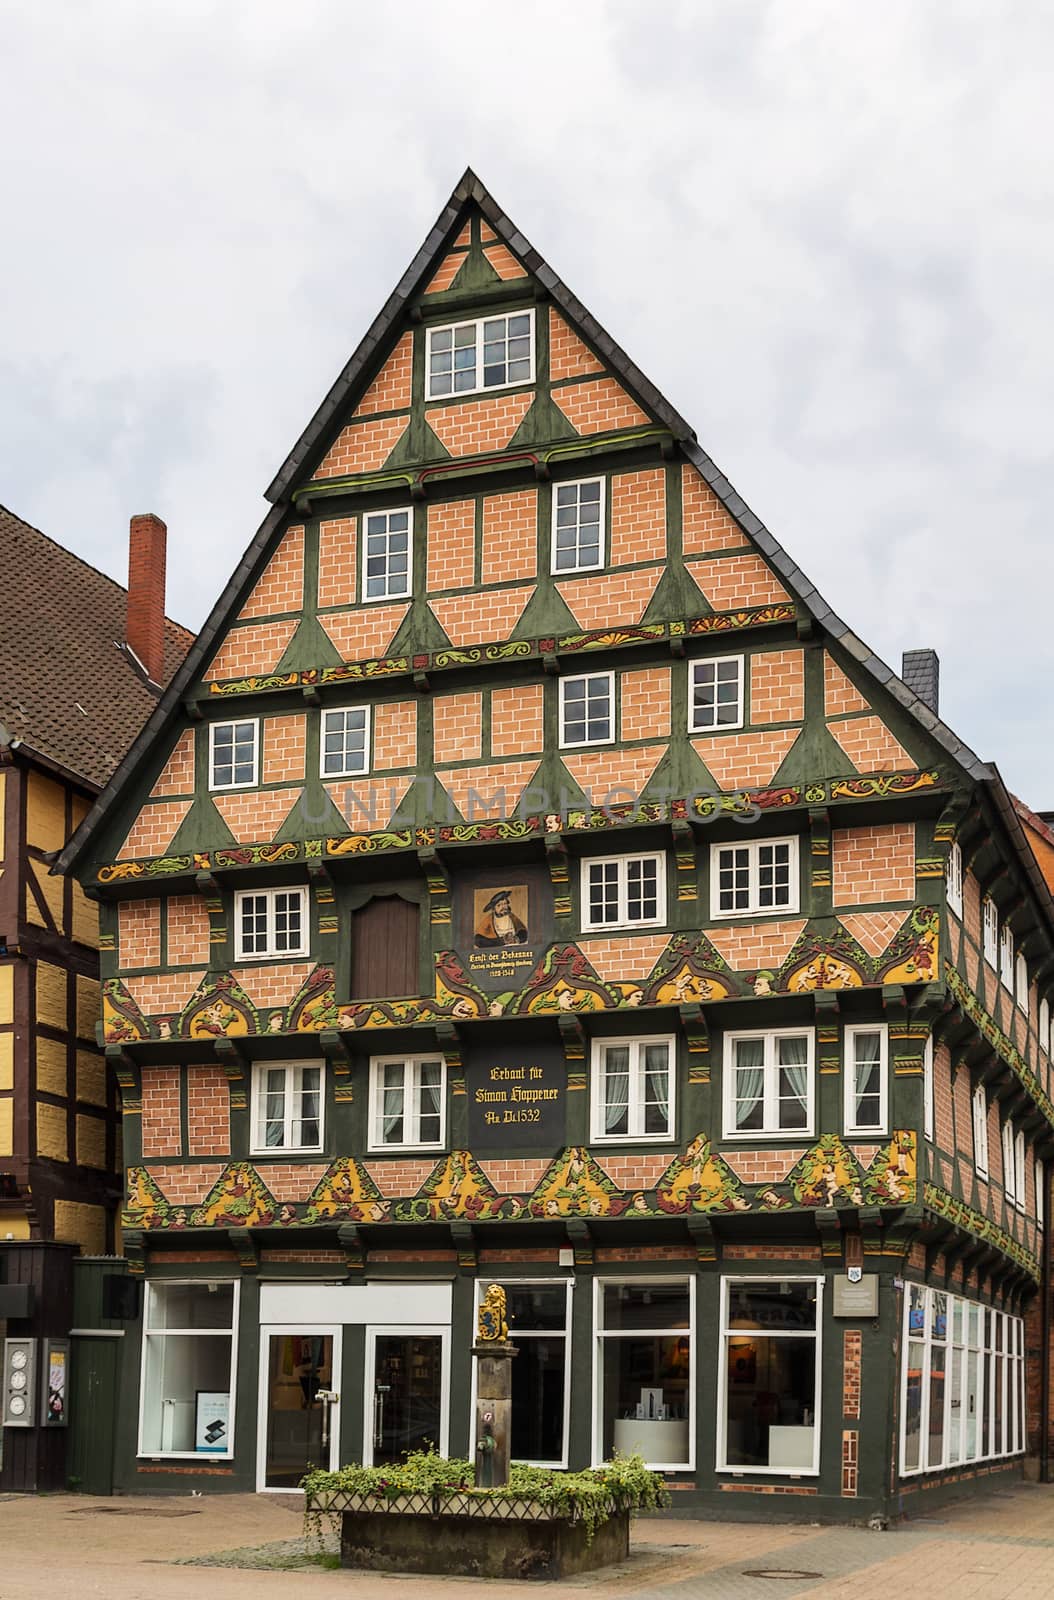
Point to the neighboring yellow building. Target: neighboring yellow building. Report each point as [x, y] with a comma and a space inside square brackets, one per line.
[83, 662]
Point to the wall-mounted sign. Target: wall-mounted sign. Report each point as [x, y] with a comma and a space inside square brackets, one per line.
[212, 1421]
[856, 1299]
[55, 1369]
[517, 1096]
[502, 925]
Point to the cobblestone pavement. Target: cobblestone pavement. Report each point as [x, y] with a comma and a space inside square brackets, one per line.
[995, 1547]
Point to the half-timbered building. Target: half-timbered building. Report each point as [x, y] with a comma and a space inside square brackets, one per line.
[528, 878]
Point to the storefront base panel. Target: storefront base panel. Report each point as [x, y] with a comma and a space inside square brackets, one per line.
[916, 1498]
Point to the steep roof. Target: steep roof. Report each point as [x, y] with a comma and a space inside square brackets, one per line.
[354, 378]
[70, 691]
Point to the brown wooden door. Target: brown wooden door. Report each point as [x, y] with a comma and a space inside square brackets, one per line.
[384, 949]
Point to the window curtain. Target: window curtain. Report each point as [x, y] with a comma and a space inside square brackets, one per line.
[657, 1080]
[867, 1050]
[750, 1078]
[428, 1092]
[616, 1090]
[794, 1057]
[392, 1108]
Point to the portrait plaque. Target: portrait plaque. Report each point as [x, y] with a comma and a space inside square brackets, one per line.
[502, 925]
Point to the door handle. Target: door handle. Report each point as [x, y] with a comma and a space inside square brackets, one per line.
[378, 1417]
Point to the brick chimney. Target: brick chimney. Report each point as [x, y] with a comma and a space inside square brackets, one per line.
[921, 671]
[145, 630]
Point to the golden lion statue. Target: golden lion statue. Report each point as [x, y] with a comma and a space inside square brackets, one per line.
[492, 1327]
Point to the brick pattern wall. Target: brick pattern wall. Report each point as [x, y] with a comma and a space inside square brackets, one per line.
[188, 931]
[515, 1176]
[448, 270]
[873, 929]
[208, 1112]
[876, 863]
[645, 698]
[161, 992]
[365, 634]
[745, 760]
[870, 746]
[479, 618]
[477, 427]
[154, 829]
[139, 933]
[273, 985]
[177, 774]
[510, 536]
[255, 815]
[516, 725]
[755, 944]
[732, 582]
[390, 389]
[850, 1461]
[852, 1371]
[362, 447]
[638, 1171]
[457, 722]
[280, 587]
[762, 1166]
[839, 695]
[602, 406]
[160, 1119]
[706, 525]
[568, 356]
[615, 774]
[451, 545]
[638, 517]
[504, 779]
[337, 556]
[504, 262]
[610, 599]
[284, 749]
[257, 648]
[777, 686]
[395, 735]
[629, 959]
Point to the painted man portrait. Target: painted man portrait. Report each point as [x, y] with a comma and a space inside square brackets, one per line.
[497, 924]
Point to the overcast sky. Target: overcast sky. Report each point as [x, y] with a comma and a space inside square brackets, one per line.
[823, 229]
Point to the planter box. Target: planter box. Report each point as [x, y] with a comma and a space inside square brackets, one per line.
[474, 1538]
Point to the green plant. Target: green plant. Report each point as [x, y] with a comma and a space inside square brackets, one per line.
[622, 1484]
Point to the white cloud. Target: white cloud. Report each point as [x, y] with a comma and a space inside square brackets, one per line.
[822, 229]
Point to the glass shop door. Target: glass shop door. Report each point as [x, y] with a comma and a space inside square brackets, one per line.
[300, 1404]
[406, 1393]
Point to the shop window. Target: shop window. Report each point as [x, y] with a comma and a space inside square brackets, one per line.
[407, 1102]
[384, 949]
[962, 1382]
[539, 1317]
[632, 1089]
[187, 1395]
[770, 1360]
[645, 1371]
[866, 1075]
[768, 1083]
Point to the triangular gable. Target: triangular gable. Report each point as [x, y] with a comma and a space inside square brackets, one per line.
[610, 391]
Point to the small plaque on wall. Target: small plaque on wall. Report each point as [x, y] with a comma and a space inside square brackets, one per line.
[517, 1096]
[856, 1299]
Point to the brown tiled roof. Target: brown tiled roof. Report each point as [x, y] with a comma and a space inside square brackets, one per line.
[68, 690]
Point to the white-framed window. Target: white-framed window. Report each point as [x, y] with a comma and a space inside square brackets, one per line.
[866, 1078]
[1009, 1162]
[644, 1381]
[234, 754]
[954, 880]
[407, 1103]
[487, 353]
[962, 1382]
[270, 922]
[577, 539]
[928, 1108]
[1044, 1026]
[1021, 983]
[980, 1131]
[538, 1312]
[1039, 1179]
[345, 742]
[1020, 1192]
[769, 1083]
[287, 1106]
[990, 931]
[623, 891]
[190, 1335]
[587, 709]
[1006, 958]
[715, 694]
[768, 1410]
[632, 1089]
[387, 554]
[754, 878]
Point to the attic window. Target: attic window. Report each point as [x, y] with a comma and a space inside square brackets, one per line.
[491, 353]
